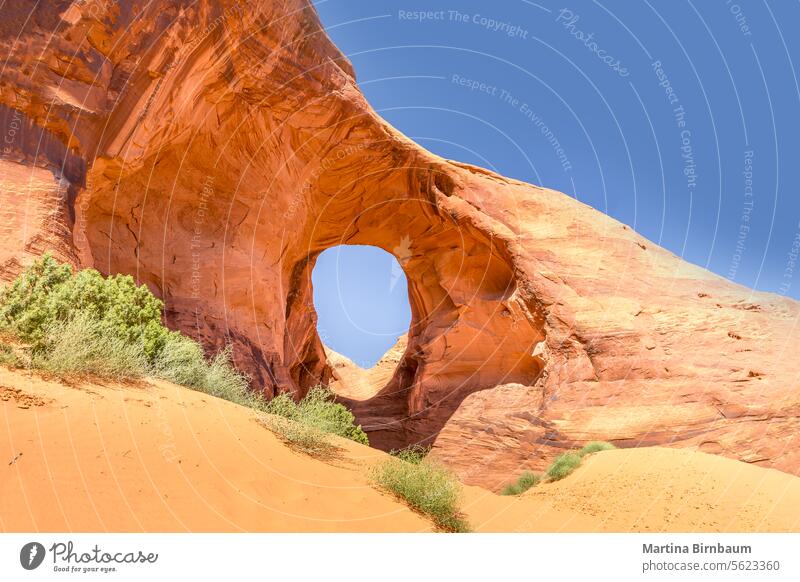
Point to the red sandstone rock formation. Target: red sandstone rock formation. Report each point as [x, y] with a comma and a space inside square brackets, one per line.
[213, 148]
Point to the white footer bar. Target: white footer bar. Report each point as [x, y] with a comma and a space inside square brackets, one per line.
[407, 558]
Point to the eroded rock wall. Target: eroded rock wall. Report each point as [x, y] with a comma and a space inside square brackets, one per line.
[214, 148]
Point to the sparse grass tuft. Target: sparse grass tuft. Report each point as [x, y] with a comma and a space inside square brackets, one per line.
[427, 487]
[8, 357]
[306, 426]
[302, 437]
[414, 454]
[320, 411]
[568, 462]
[524, 482]
[83, 345]
[182, 361]
[595, 447]
[563, 466]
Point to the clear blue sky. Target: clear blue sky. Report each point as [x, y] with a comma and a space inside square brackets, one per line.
[680, 118]
[361, 298]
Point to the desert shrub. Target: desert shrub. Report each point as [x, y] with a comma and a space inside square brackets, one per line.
[563, 466]
[427, 487]
[24, 305]
[595, 447]
[568, 462]
[84, 323]
[283, 405]
[8, 357]
[49, 293]
[108, 326]
[302, 437]
[414, 454]
[523, 483]
[319, 410]
[83, 345]
[223, 380]
[181, 360]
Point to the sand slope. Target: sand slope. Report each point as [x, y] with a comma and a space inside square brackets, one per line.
[159, 457]
[153, 456]
[653, 489]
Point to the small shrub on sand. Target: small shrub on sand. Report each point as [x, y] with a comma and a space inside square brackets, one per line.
[563, 466]
[83, 345]
[320, 411]
[427, 487]
[595, 447]
[523, 483]
[84, 323]
[302, 437]
[568, 462]
[414, 454]
[181, 360]
[307, 425]
[8, 357]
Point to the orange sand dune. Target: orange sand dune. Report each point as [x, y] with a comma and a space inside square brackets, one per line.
[154, 457]
[652, 489]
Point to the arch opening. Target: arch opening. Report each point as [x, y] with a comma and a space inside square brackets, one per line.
[469, 324]
[360, 295]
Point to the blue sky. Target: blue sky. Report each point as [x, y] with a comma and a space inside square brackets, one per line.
[361, 298]
[679, 118]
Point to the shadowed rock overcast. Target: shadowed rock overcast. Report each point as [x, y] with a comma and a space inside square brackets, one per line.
[213, 149]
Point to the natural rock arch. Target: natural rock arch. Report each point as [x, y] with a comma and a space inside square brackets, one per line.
[470, 326]
[212, 148]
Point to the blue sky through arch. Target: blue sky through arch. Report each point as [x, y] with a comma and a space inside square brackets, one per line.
[361, 299]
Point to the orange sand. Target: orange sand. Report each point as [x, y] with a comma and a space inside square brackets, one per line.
[157, 457]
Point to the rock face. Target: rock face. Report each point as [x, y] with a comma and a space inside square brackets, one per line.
[213, 148]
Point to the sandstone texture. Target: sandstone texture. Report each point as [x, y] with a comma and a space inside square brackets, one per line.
[213, 148]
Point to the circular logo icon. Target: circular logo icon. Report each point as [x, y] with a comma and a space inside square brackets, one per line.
[31, 555]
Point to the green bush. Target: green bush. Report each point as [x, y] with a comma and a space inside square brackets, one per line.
[414, 454]
[302, 437]
[523, 483]
[319, 410]
[568, 462]
[84, 323]
[25, 308]
[563, 466]
[8, 357]
[83, 345]
[595, 447]
[427, 487]
[48, 293]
